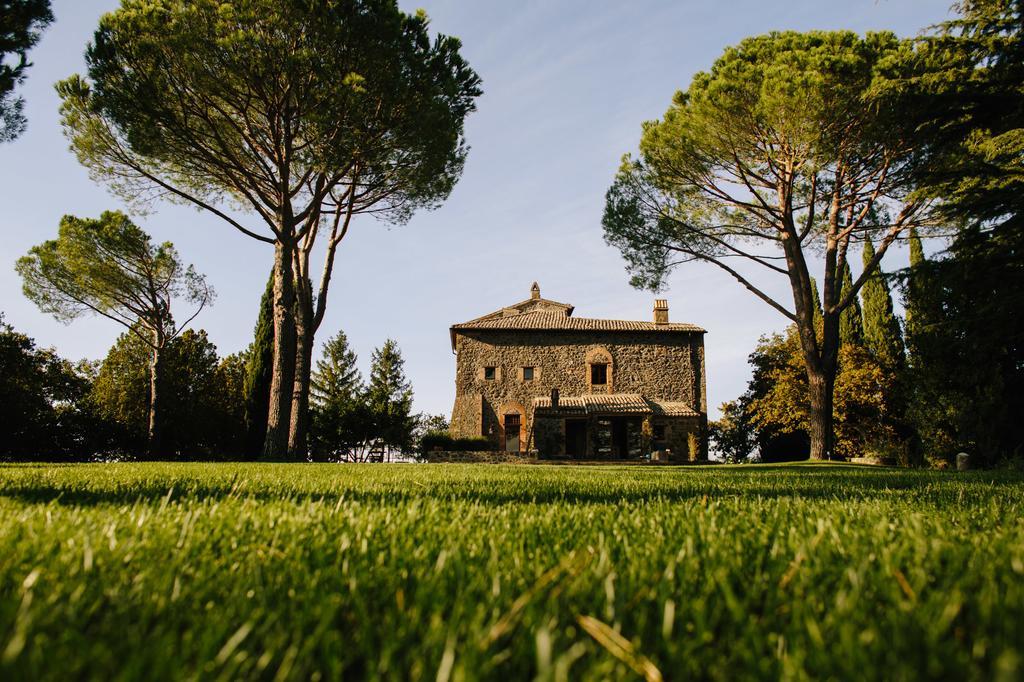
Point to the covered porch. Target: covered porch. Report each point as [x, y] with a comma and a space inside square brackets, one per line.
[616, 426]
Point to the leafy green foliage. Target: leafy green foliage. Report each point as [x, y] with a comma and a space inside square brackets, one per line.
[45, 413]
[960, 91]
[304, 114]
[203, 396]
[110, 267]
[250, 571]
[911, 297]
[732, 436]
[851, 321]
[21, 25]
[343, 81]
[882, 334]
[442, 440]
[356, 422]
[966, 342]
[337, 377]
[774, 412]
[686, 198]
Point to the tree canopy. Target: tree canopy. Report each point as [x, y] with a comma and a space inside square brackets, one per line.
[960, 90]
[21, 25]
[110, 267]
[300, 113]
[882, 333]
[779, 157]
[44, 413]
[203, 397]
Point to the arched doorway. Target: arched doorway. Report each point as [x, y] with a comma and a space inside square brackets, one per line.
[513, 427]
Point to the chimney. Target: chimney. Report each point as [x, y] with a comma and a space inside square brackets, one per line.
[535, 291]
[660, 311]
[554, 397]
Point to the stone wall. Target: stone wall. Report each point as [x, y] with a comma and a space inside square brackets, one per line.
[677, 438]
[661, 365]
[478, 457]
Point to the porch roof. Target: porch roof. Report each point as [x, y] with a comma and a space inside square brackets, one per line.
[613, 403]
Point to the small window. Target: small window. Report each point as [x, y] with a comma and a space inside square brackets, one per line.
[489, 373]
[527, 373]
[659, 432]
[599, 374]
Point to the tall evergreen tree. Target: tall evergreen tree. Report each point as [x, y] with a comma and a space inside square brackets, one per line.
[912, 295]
[336, 377]
[389, 396]
[819, 321]
[258, 373]
[882, 334]
[342, 423]
[851, 321]
[916, 248]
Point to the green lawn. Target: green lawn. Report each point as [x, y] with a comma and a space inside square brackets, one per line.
[158, 571]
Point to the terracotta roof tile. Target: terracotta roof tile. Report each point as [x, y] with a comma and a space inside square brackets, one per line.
[616, 403]
[560, 322]
[672, 408]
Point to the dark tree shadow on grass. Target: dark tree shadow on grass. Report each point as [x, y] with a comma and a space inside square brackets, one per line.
[573, 485]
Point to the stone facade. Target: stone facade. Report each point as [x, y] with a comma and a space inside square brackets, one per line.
[624, 388]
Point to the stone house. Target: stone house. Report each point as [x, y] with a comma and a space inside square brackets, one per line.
[530, 377]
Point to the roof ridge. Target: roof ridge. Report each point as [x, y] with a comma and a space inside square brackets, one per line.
[547, 320]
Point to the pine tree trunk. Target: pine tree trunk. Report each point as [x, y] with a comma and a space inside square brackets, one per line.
[282, 377]
[154, 436]
[821, 417]
[297, 432]
[821, 355]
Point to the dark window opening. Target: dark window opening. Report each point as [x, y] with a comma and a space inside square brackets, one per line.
[489, 373]
[599, 374]
[603, 438]
[527, 373]
[659, 432]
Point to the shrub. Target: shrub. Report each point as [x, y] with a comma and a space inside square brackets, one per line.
[442, 440]
[471, 444]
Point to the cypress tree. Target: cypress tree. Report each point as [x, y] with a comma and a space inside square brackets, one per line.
[916, 248]
[819, 320]
[912, 298]
[851, 322]
[257, 373]
[882, 334]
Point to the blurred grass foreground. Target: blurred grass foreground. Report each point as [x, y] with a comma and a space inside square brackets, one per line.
[265, 571]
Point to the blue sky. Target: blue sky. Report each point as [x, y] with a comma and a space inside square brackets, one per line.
[566, 87]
